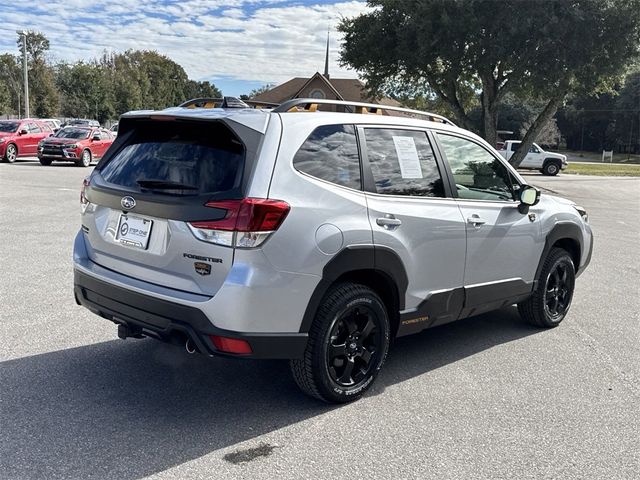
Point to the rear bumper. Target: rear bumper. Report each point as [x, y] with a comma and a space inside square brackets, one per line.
[168, 321]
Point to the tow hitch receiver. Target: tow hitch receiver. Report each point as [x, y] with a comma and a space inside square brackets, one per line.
[125, 331]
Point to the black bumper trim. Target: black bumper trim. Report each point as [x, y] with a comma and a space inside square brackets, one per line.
[161, 319]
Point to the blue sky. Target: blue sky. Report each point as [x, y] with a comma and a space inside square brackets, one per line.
[237, 44]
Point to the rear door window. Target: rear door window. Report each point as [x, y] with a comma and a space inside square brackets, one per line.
[403, 163]
[179, 158]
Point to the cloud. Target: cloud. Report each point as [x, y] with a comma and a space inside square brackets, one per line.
[261, 41]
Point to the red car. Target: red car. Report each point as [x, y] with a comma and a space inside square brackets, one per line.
[20, 138]
[81, 145]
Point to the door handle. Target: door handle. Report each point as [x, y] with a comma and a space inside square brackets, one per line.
[475, 220]
[389, 222]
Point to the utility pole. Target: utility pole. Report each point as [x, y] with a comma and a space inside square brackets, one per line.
[26, 72]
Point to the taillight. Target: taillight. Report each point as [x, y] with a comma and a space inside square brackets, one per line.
[246, 224]
[83, 199]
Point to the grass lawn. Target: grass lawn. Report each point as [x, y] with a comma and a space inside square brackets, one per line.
[603, 169]
[597, 157]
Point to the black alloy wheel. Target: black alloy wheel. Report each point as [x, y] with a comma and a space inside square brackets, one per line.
[558, 291]
[347, 345]
[354, 346]
[550, 301]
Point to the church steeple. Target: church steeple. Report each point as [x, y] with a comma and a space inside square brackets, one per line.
[326, 59]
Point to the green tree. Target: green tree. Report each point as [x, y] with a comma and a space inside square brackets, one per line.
[43, 96]
[86, 91]
[11, 84]
[457, 49]
[260, 90]
[204, 89]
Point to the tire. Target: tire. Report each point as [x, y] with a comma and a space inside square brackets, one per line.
[350, 327]
[551, 300]
[551, 168]
[85, 159]
[45, 162]
[11, 153]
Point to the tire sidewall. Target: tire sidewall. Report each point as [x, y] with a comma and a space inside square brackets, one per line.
[338, 392]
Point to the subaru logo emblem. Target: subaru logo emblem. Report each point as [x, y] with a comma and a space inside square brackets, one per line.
[128, 202]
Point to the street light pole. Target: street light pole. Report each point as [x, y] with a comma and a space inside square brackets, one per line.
[26, 72]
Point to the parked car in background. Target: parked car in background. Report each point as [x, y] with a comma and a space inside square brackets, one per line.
[114, 129]
[548, 163]
[80, 145]
[19, 138]
[54, 123]
[82, 122]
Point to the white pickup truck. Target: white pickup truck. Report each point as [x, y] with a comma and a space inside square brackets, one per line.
[548, 163]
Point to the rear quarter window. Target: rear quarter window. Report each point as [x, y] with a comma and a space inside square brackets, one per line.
[205, 156]
[330, 153]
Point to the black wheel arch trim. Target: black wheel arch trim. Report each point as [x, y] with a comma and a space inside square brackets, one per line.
[352, 259]
[563, 231]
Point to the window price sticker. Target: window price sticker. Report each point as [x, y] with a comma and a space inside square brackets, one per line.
[408, 157]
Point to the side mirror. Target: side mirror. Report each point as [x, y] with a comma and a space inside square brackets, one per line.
[96, 138]
[23, 131]
[529, 196]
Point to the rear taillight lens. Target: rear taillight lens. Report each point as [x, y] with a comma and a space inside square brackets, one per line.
[83, 199]
[246, 224]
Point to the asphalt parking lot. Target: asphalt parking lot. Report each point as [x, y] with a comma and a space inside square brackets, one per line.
[487, 397]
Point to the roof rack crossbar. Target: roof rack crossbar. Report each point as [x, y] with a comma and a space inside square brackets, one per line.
[358, 107]
[225, 102]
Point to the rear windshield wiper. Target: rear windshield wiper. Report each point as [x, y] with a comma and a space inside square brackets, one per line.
[165, 185]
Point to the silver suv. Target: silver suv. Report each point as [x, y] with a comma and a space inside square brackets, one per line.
[315, 237]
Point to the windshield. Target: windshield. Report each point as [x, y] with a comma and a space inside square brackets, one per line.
[76, 133]
[9, 127]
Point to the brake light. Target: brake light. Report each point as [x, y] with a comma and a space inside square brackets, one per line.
[246, 224]
[231, 345]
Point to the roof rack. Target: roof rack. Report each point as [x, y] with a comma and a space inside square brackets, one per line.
[225, 102]
[311, 105]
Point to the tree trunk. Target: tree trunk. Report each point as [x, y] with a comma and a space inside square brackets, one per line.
[489, 121]
[489, 99]
[543, 118]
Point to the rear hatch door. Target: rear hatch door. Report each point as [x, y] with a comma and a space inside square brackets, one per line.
[158, 177]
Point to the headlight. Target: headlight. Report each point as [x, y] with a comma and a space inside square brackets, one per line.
[1, 140]
[582, 212]
[73, 145]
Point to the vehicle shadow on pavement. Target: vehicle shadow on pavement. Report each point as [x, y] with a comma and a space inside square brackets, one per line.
[128, 409]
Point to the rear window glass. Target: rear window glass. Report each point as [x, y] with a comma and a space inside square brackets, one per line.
[178, 157]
